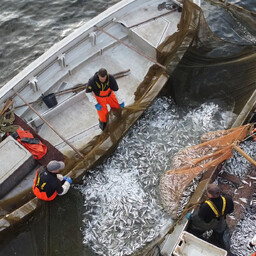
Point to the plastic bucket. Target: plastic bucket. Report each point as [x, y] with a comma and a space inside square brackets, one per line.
[50, 100]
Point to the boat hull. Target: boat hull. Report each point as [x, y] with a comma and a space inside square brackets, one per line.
[118, 39]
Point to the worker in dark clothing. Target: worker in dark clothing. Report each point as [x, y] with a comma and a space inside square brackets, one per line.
[211, 215]
[49, 183]
[102, 90]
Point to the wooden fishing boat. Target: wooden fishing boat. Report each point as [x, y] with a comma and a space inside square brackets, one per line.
[132, 40]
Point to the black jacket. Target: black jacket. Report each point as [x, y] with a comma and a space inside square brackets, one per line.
[206, 213]
[48, 182]
[95, 85]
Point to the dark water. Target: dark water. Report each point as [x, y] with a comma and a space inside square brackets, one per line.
[247, 4]
[55, 230]
[27, 29]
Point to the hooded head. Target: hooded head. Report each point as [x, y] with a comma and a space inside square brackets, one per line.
[54, 165]
[213, 190]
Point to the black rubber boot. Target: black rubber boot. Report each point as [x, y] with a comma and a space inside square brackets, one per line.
[102, 125]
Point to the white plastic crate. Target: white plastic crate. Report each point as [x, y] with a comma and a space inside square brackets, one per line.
[190, 245]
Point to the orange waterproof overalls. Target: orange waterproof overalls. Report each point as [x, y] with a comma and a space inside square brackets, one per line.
[38, 150]
[106, 97]
[40, 194]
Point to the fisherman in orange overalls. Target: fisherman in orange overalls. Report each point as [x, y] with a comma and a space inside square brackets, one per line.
[49, 183]
[102, 90]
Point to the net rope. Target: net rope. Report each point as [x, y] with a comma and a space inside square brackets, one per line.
[192, 161]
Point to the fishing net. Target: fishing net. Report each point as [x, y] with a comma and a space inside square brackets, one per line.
[194, 53]
[220, 61]
[190, 162]
[169, 53]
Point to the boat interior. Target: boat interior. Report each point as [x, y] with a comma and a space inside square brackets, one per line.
[123, 42]
[131, 45]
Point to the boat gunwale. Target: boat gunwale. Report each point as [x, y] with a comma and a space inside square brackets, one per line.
[18, 216]
[21, 79]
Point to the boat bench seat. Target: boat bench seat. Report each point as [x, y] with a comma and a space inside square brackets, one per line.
[16, 163]
[52, 112]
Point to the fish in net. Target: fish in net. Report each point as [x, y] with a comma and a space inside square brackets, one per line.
[190, 162]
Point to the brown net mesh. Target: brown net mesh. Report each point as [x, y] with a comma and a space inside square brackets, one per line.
[192, 161]
[192, 54]
[170, 53]
[221, 63]
[213, 67]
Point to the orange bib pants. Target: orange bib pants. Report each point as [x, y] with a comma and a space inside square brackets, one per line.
[42, 195]
[106, 98]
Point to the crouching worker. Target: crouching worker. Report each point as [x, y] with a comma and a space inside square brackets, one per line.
[49, 183]
[102, 90]
[211, 215]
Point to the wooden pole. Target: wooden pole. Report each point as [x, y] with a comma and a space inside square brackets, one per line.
[76, 88]
[244, 154]
[7, 104]
[132, 48]
[83, 86]
[46, 122]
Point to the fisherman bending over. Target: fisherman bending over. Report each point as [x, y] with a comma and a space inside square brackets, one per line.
[211, 215]
[102, 89]
[49, 183]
